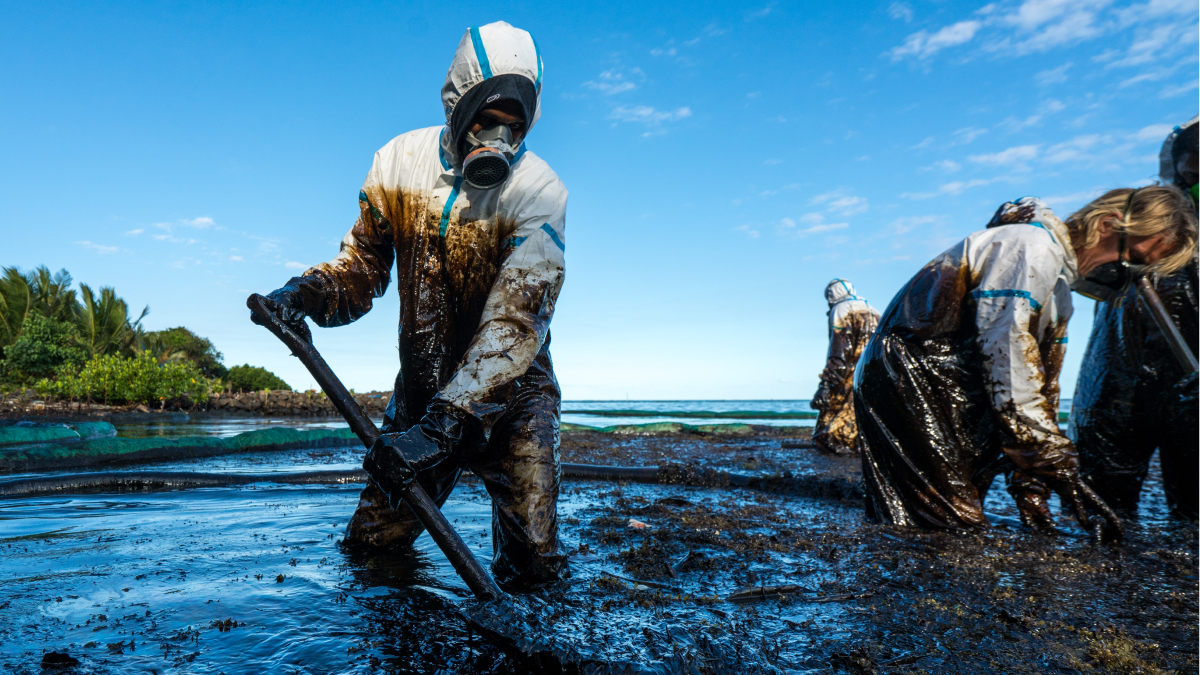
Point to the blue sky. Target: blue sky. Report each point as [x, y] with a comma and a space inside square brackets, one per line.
[724, 161]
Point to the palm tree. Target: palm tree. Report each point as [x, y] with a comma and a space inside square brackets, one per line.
[160, 348]
[104, 323]
[16, 302]
[52, 294]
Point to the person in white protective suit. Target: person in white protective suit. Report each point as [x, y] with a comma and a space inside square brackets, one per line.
[851, 323]
[960, 381]
[475, 226]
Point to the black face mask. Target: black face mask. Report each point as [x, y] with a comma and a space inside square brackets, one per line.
[1110, 281]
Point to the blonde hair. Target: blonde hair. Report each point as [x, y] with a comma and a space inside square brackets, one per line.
[1141, 212]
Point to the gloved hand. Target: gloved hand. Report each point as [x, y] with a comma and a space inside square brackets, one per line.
[395, 459]
[1076, 496]
[1031, 495]
[288, 303]
[820, 400]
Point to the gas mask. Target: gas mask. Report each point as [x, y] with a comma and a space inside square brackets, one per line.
[1109, 281]
[489, 160]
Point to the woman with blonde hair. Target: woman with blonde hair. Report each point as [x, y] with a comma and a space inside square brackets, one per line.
[960, 381]
[1133, 397]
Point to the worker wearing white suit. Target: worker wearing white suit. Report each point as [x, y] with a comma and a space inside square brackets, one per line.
[960, 381]
[479, 262]
[851, 323]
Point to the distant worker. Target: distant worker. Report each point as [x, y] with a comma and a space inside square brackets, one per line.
[1133, 397]
[475, 226]
[851, 323]
[960, 382]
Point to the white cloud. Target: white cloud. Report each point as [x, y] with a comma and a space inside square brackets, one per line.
[841, 203]
[910, 223]
[1074, 150]
[1162, 29]
[1154, 132]
[750, 232]
[1064, 204]
[648, 115]
[611, 82]
[967, 135]
[1014, 155]
[98, 248]
[292, 265]
[952, 188]
[816, 224]
[1150, 43]
[1052, 76]
[760, 13]
[947, 165]
[1184, 88]
[923, 44]
[236, 258]
[825, 227]
[134, 233]
[201, 222]
[901, 12]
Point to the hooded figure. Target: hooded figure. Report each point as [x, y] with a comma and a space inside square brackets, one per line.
[960, 381]
[851, 323]
[963, 373]
[1132, 396]
[478, 272]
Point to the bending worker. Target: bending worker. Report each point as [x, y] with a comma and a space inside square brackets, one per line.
[1132, 396]
[475, 226]
[960, 382]
[851, 323]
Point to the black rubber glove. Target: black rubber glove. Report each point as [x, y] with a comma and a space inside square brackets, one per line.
[395, 459]
[820, 400]
[289, 304]
[1077, 497]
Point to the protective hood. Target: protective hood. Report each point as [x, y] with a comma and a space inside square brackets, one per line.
[839, 290]
[492, 62]
[1169, 153]
[1033, 211]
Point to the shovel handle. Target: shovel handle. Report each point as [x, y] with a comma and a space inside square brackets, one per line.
[1179, 348]
[360, 424]
[443, 534]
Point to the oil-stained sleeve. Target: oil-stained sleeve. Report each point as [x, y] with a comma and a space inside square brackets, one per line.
[361, 270]
[842, 340]
[1017, 280]
[516, 317]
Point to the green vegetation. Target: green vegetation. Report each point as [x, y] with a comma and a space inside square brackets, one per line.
[140, 379]
[43, 346]
[174, 344]
[84, 346]
[253, 378]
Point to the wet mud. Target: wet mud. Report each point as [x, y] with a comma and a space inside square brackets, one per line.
[253, 579]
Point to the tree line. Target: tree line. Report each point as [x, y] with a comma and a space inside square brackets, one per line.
[86, 346]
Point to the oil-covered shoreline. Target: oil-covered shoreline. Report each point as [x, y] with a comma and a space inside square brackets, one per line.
[252, 578]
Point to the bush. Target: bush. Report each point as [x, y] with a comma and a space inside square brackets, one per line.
[140, 379]
[253, 378]
[43, 346]
[181, 341]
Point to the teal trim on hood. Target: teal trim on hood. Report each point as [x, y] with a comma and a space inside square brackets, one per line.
[481, 53]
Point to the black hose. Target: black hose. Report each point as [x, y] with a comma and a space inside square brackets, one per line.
[667, 474]
[147, 480]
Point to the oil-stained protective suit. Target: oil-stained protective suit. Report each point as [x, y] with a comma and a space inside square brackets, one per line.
[1133, 397]
[851, 323]
[478, 272]
[960, 381]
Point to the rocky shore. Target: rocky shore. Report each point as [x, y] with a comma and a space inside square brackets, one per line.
[278, 402]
